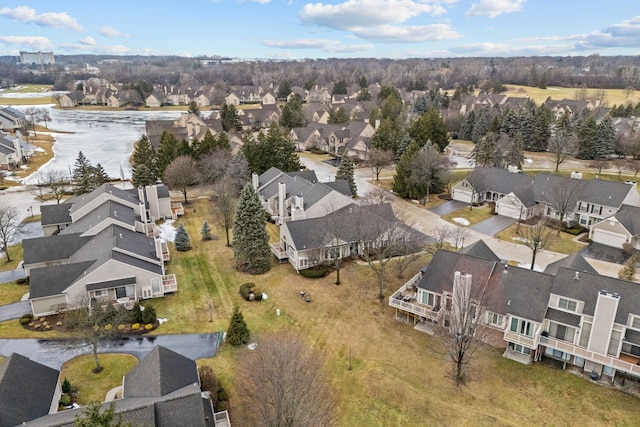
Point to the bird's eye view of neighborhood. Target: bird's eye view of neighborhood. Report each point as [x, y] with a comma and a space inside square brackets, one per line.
[346, 213]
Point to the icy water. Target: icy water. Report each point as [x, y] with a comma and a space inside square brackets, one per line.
[104, 137]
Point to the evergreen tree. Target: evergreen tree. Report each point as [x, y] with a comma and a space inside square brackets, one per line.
[238, 171]
[363, 82]
[514, 155]
[284, 89]
[388, 135]
[404, 144]
[250, 239]
[606, 139]
[430, 127]
[271, 149]
[194, 109]
[143, 162]
[100, 176]
[526, 128]
[486, 153]
[83, 175]
[292, 115]
[401, 184]
[238, 332]
[466, 127]
[182, 241]
[340, 88]
[587, 138]
[92, 417]
[167, 151]
[542, 129]
[230, 119]
[481, 126]
[346, 172]
[338, 116]
[205, 231]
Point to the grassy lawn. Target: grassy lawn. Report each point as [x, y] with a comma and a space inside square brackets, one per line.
[27, 89]
[12, 292]
[474, 216]
[93, 387]
[16, 254]
[563, 243]
[313, 156]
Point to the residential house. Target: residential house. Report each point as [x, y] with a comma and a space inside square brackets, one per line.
[568, 313]
[155, 100]
[619, 229]
[11, 151]
[522, 196]
[305, 138]
[346, 232]
[268, 99]
[162, 390]
[570, 106]
[28, 390]
[318, 95]
[232, 99]
[11, 119]
[358, 148]
[291, 196]
[69, 100]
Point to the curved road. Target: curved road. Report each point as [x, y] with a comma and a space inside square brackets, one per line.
[54, 353]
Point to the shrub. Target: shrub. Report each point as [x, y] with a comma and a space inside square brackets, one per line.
[26, 318]
[108, 327]
[208, 381]
[315, 272]
[121, 327]
[148, 326]
[247, 288]
[575, 230]
[136, 313]
[65, 400]
[238, 332]
[135, 326]
[149, 314]
[66, 386]
[23, 281]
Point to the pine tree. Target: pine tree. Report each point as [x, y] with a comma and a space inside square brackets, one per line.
[238, 332]
[99, 176]
[430, 127]
[205, 232]
[346, 172]
[466, 127]
[250, 239]
[167, 151]
[481, 126]
[606, 142]
[238, 171]
[403, 171]
[143, 162]
[83, 175]
[182, 241]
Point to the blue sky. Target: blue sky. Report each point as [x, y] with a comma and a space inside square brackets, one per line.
[294, 29]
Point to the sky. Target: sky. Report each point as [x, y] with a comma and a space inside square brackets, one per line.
[294, 29]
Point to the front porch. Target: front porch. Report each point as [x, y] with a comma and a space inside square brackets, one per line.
[279, 252]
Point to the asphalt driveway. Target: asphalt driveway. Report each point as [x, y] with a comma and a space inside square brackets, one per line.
[448, 207]
[12, 276]
[493, 225]
[54, 353]
[15, 310]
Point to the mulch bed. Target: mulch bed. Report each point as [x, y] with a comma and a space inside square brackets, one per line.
[55, 322]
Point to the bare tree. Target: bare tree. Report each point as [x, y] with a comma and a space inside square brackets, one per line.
[378, 160]
[621, 165]
[562, 145]
[284, 383]
[440, 234]
[44, 116]
[536, 237]
[460, 328]
[634, 165]
[182, 174]
[564, 195]
[458, 236]
[32, 113]
[56, 182]
[9, 227]
[214, 165]
[225, 197]
[598, 164]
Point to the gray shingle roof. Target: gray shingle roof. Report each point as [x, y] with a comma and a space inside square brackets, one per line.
[629, 217]
[108, 209]
[26, 390]
[52, 248]
[341, 186]
[480, 249]
[574, 262]
[109, 284]
[48, 281]
[55, 214]
[124, 195]
[563, 317]
[161, 372]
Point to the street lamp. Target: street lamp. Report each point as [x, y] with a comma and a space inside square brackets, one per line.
[30, 210]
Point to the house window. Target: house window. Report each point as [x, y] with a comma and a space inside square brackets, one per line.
[521, 326]
[635, 323]
[155, 285]
[125, 291]
[561, 332]
[566, 304]
[578, 361]
[614, 343]
[630, 349]
[430, 299]
[585, 334]
[519, 348]
[98, 293]
[495, 318]
[608, 371]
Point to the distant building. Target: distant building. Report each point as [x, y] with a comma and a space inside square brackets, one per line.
[37, 58]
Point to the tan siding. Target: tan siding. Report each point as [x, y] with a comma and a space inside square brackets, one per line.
[47, 305]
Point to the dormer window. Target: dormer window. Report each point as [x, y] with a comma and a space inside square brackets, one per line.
[566, 304]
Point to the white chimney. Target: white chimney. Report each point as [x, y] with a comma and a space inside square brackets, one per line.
[254, 180]
[282, 194]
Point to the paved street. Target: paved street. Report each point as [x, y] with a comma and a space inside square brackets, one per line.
[54, 353]
[15, 310]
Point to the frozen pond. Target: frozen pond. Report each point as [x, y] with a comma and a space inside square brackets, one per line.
[104, 137]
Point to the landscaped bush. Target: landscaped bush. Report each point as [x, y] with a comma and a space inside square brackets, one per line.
[135, 326]
[315, 272]
[66, 386]
[26, 318]
[136, 313]
[575, 230]
[23, 281]
[247, 289]
[121, 327]
[65, 400]
[148, 326]
[149, 314]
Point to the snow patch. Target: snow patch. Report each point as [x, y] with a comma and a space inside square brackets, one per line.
[166, 231]
[528, 160]
[163, 320]
[527, 265]
[252, 346]
[461, 221]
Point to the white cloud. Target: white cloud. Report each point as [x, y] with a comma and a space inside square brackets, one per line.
[260, 1]
[105, 50]
[88, 41]
[326, 45]
[493, 8]
[508, 49]
[407, 34]
[35, 42]
[352, 13]
[112, 32]
[380, 20]
[47, 19]
[625, 34]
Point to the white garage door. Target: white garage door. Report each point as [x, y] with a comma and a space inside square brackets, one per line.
[607, 238]
[461, 196]
[507, 209]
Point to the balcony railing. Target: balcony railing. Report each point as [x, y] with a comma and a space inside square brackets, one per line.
[403, 302]
[169, 283]
[520, 339]
[176, 210]
[277, 250]
[582, 352]
[221, 419]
